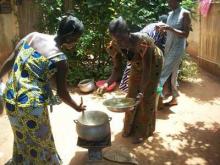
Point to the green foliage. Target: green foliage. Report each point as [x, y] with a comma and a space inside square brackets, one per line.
[96, 15]
[188, 68]
[91, 59]
[138, 13]
[50, 12]
[191, 5]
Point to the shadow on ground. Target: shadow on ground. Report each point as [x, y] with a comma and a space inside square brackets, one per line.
[197, 144]
[205, 88]
[164, 113]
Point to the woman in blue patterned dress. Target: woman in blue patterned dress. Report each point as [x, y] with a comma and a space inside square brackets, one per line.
[36, 58]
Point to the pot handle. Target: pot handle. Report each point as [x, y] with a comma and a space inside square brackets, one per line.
[109, 118]
[76, 121]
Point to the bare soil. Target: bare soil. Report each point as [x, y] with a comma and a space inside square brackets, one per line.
[188, 133]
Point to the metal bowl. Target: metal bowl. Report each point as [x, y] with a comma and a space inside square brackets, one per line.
[120, 104]
[87, 85]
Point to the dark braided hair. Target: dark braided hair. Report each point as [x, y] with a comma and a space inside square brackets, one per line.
[69, 27]
[118, 25]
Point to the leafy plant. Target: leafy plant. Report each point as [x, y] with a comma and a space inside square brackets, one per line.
[188, 68]
[96, 37]
[91, 59]
[191, 5]
[50, 12]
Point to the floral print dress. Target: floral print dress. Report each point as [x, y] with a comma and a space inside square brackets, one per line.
[26, 98]
[141, 122]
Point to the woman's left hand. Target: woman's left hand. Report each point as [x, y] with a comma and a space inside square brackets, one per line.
[163, 27]
[101, 90]
[139, 97]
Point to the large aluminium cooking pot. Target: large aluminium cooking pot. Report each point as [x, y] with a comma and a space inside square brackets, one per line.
[93, 125]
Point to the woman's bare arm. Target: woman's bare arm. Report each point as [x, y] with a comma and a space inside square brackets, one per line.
[62, 69]
[181, 33]
[117, 69]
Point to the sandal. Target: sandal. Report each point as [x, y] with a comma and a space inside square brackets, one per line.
[171, 103]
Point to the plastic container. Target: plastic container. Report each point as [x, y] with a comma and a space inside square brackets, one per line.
[110, 87]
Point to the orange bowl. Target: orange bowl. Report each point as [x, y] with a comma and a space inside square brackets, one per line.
[110, 87]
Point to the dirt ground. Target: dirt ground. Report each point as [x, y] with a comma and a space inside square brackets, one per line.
[188, 133]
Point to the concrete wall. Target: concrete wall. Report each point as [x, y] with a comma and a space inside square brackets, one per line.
[23, 20]
[194, 37]
[8, 33]
[28, 14]
[204, 41]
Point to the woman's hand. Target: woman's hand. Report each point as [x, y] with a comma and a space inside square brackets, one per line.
[101, 90]
[139, 97]
[163, 27]
[81, 107]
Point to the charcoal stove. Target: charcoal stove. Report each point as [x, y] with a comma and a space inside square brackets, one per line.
[95, 147]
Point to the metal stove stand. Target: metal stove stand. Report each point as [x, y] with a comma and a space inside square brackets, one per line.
[95, 147]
